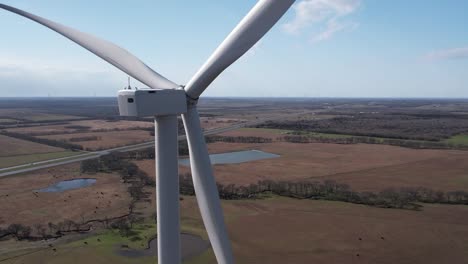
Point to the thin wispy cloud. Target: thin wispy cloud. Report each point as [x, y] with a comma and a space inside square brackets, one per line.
[330, 15]
[447, 54]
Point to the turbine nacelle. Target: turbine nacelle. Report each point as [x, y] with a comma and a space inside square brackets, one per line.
[152, 102]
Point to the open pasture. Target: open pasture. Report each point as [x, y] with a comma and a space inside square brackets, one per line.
[21, 204]
[16, 151]
[13, 147]
[279, 230]
[365, 167]
[283, 230]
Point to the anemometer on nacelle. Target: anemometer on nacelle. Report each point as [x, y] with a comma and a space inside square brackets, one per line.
[152, 102]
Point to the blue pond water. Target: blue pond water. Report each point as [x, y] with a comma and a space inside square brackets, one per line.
[235, 157]
[69, 185]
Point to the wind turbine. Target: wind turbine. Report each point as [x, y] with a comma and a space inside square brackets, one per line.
[165, 100]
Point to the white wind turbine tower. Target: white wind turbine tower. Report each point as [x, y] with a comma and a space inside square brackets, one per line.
[165, 100]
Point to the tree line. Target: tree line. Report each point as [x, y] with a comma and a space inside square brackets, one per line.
[122, 223]
[84, 138]
[369, 140]
[402, 198]
[45, 141]
[238, 139]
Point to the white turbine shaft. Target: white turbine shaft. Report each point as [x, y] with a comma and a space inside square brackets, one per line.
[167, 189]
[251, 29]
[106, 50]
[205, 187]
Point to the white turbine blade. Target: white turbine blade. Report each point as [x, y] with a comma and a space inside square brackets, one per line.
[108, 51]
[205, 187]
[251, 29]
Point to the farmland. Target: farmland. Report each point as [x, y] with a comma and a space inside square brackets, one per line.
[80, 126]
[27, 114]
[15, 151]
[104, 140]
[345, 141]
[357, 165]
[107, 198]
[314, 232]
[13, 147]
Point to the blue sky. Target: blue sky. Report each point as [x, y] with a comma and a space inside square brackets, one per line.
[320, 48]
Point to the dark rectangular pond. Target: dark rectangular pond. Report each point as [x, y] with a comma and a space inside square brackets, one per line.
[69, 185]
[235, 157]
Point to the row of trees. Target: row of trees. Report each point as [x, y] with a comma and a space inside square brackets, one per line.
[396, 125]
[50, 142]
[369, 140]
[84, 138]
[239, 139]
[55, 230]
[403, 198]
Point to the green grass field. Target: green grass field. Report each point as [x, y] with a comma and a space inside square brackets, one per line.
[102, 247]
[458, 140]
[7, 121]
[271, 130]
[25, 159]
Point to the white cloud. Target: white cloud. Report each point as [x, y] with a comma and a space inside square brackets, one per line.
[447, 54]
[326, 13]
[12, 65]
[39, 77]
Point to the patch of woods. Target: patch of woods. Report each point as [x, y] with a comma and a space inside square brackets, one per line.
[128, 171]
[296, 137]
[424, 125]
[45, 141]
[122, 223]
[402, 198]
[239, 139]
[78, 127]
[84, 138]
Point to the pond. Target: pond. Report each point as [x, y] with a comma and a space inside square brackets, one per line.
[235, 157]
[69, 185]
